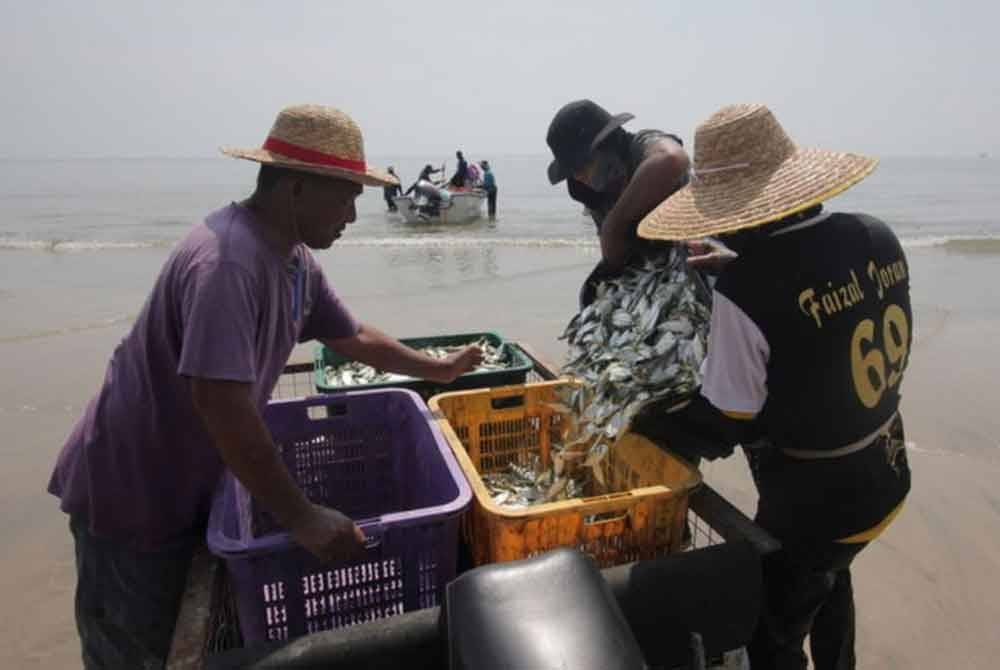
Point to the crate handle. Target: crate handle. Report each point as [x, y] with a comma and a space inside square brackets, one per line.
[507, 402]
[617, 517]
[372, 528]
[621, 506]
[326, 411]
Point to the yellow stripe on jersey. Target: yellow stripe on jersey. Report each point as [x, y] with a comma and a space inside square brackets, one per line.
[741, 416]
[874, 531]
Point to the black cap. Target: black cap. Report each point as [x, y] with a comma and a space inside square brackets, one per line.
[576, 130]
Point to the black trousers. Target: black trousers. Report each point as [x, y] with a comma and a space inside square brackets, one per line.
[807, 584]
[807, 591]
[491, 203]
[127, 601]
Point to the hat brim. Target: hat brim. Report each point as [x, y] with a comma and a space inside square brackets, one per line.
[726, 201]
[617, 121]
[556, 172]
[370, 177]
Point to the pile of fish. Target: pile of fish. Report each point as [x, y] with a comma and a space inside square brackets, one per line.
[641, 341]
[354, 373]
[520, 486]
[574, 468]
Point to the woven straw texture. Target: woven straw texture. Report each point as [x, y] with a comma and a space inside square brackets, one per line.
[318, 136]
[748, 172]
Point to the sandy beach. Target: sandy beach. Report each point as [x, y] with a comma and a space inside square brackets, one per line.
[927, 592]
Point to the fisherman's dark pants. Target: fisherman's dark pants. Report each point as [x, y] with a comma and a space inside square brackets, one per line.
[127, 601]
[807, 584]
[491, 203]
[807, 591]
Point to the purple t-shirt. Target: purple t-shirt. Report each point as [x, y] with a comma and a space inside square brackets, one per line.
[140, 465]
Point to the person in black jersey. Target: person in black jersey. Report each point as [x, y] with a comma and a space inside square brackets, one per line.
[810, 339]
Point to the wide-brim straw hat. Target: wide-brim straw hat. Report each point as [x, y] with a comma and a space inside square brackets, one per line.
[747, 172]
[319, 140]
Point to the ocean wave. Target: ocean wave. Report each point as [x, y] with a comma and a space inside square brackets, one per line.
[69, 330]
[989, 244]
[984, 243]
[55, 245]
[551, 242]
[58, 245]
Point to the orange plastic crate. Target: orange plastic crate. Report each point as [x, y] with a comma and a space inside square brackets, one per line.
[490, 428]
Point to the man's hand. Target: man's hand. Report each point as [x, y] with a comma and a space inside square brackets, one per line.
[709, 255]
[328, 535]
[459, 363]
[385, 353]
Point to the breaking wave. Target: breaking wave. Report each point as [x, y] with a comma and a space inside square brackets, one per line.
[68, 330]
[17, 244]
[984, 243]
[57, 245]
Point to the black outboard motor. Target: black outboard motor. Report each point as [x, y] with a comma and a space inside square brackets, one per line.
[430, 198]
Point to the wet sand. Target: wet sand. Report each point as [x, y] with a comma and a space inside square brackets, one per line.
[926, 592]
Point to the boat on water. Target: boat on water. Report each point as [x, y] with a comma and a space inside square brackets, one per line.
[453, 207]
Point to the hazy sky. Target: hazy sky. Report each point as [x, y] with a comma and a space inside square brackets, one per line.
[134, 78]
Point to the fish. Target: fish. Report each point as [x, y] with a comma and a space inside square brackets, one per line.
[575, 463]
[641, 341]
[653, 324]
[621, 319]
[355, 373]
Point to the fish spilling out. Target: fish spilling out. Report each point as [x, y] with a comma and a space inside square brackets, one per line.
[574, 468]
[641, 341]
[354, 373]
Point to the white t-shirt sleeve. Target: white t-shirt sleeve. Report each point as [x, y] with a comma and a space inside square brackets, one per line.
[734, 373]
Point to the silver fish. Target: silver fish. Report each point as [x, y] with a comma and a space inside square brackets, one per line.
[621, 319]
[353, 373]
[640, 341]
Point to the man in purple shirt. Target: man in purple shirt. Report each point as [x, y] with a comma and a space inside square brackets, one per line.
[183, 392]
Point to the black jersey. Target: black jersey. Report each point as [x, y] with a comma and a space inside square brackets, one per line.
[811, 334]
[832, 303]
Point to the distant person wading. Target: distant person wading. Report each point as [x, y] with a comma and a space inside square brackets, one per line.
[392, 191]
[490, 186]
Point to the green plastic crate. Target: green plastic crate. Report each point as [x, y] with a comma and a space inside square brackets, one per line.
[517, 373]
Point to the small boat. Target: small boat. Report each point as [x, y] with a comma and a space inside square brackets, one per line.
[454, 207]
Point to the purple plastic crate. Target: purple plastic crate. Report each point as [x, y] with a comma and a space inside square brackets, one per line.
[378, 457]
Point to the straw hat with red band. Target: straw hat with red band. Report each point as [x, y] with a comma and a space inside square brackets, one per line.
[747, 172]
[319, 140]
